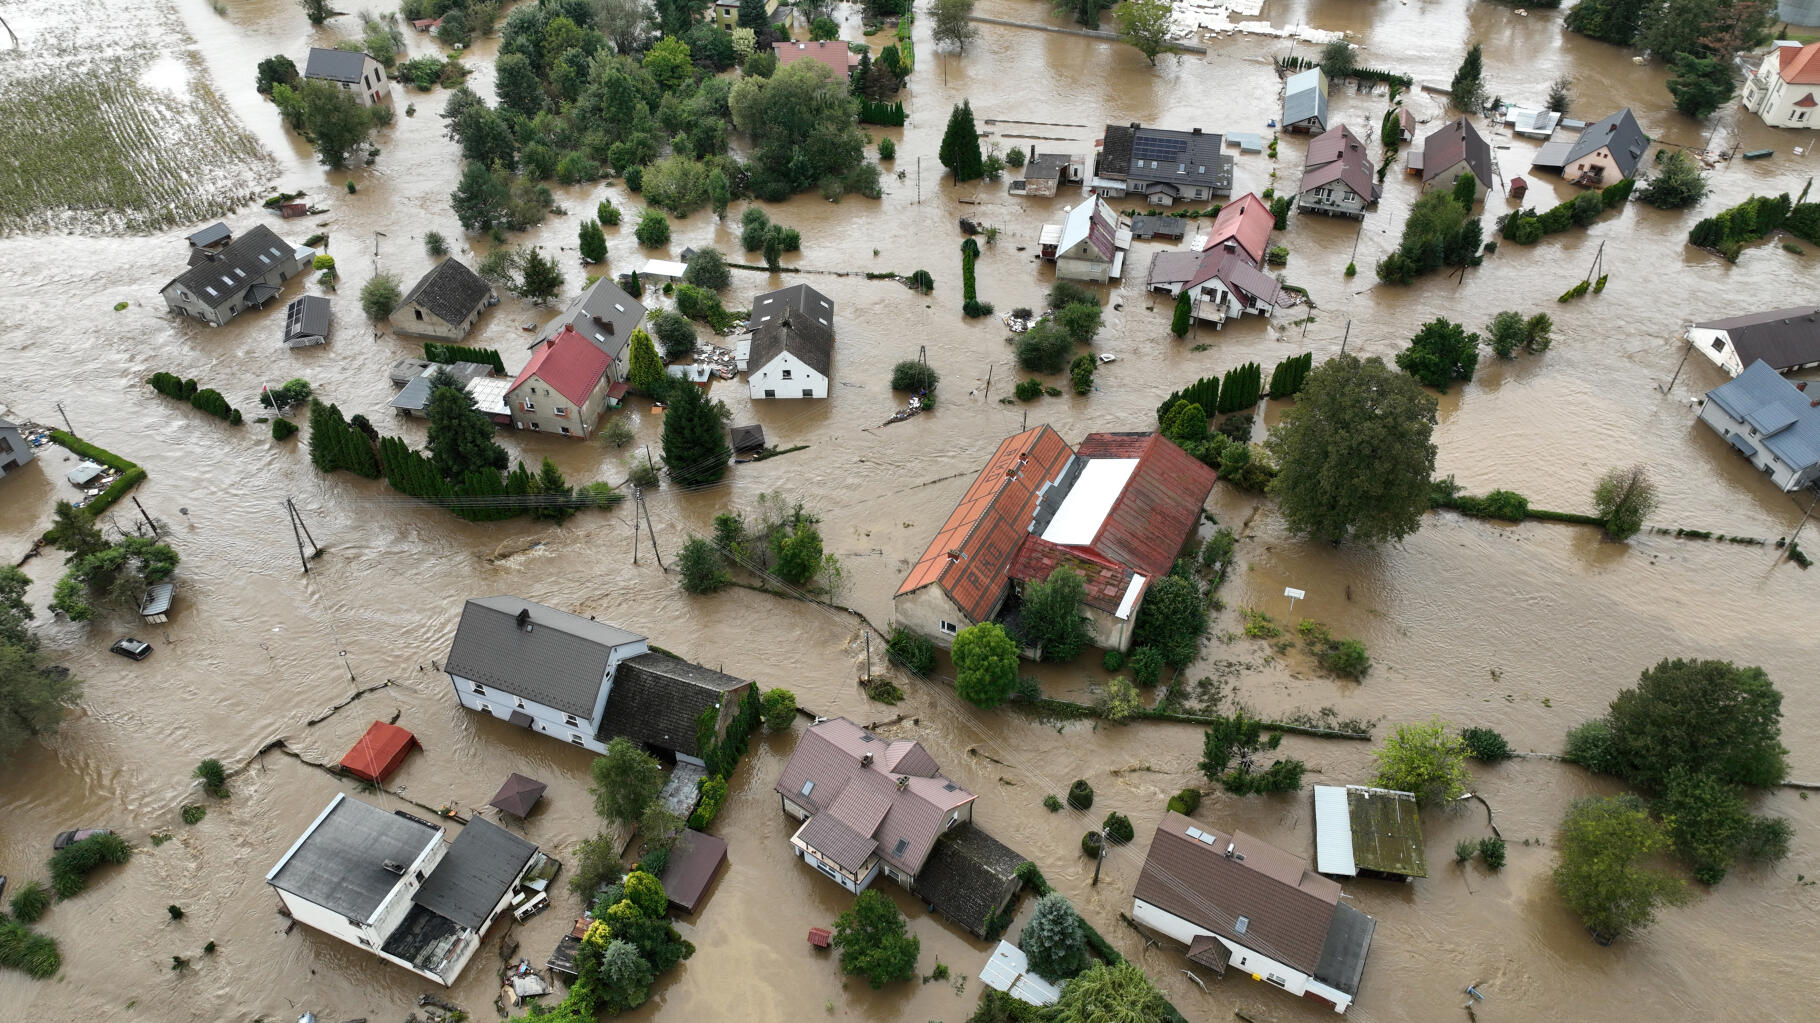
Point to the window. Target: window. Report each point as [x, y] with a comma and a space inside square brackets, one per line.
[569, 719]
[563, 411]
[576, 739]
[565, 431]
[903, 846]
[419, 874]
[808, 786]
[948, 627]
[521, 704]
[419, 313]
[786, 374]
[528, 406]
[770, 394]
[807, 393]
[482, 690]
[1278, 981]
[1243, 923]
[1718, 344]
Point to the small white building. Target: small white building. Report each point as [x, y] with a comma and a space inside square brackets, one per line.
[389, 883]
[1770, 421]
[1088, 245]
[14, 450]
[1787, 339]
[1785, 89]
[352, 70]
[1008, 970]
[790, 352]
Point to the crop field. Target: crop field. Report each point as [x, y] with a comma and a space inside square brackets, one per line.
[111, 124]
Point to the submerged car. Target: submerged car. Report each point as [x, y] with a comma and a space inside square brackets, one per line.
[137, 649]
[68, 837]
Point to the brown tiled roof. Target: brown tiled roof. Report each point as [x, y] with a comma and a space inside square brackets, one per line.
[1287, 907]
[1338, 155]
[838, 842]
[1159, 508]
[1799, 65]
[1452, 142]
[974, 547]
[1209, 952]
[1105, 581]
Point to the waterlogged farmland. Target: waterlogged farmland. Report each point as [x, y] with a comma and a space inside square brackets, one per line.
[111, 123]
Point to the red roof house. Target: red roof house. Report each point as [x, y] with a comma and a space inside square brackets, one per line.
[1800, 65]
[379, 752]
[1116, 511]
[831, 54]
[563, 389]
[1245, 222]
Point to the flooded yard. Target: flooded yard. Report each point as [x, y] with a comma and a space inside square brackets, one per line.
[1528, 629]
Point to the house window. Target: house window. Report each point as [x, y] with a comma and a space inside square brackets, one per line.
[770, 394]
[521, 704]
[1718, 344]
[565, 431]
[419, 313]
[903, 845]
[786, 374]
[808, 787]
[1278, 981]
[569, 719]
[807, 393]
[419, 874]
[1241, 925]
[948, 627]
[478, 688]
[563, 411]
[576, 739]
[535, 427]
[528, 406]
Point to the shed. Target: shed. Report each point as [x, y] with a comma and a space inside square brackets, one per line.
[379, 752]
[694, 862]
[748, 438]
[670, 268]
[1151, 226]
[306, 322]
[155, 607]
[1518, 187]
[1009, 971]
[562, 960]
[969, 877]
[1367, 831]
[518, 795]
[84, 474]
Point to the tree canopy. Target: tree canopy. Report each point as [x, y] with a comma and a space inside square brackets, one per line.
[803, 127]
[1172, 619]
[873, 941]
[1241, 737]
[1703, 716]
[1441, 352]
[960, 149]
[460, 437]
[1053, 940]
[985, 664]
[33, 692]
[1355, 453]
[626, 780]
[696, 450]
[1603, 841]
[1624, 498]
[1110, 993]
[1144, 24]
[1052, 618]
[1426, 759]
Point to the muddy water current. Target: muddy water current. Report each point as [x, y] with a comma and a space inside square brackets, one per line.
[1528, 629]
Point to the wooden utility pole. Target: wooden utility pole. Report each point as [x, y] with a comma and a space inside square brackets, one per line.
[1803, 522]
[989, 381]
[66, 419]
[299, 531]
[1345, 337]
[635, 504]
[148, 519]
[652, 530]
[1689, 350]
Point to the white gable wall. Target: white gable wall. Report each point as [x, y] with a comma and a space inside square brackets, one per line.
[1249, 961]
[786, 376]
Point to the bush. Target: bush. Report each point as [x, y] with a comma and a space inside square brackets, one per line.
[214, 777]
[194, 812]
[34, 954]
[1050, 803]
[1080, 373]
[1118, 828]
[887, 149]
[435, 244]
[675, 334]
[1485, 744]
[1113, 661]
[713, 794]
[1346, 658]
[653, 229]
[911, 375]
[1590, 745]
[1146, 665]
[702, 569]
[1080, 794]
[1491, 851]
[71, 865]
[708, 269]
[380, 295]
[1028, 390]
[779, 709]
[30, 902]
[210, 400]
[1465, 849]
[1054, 939]
[1185, 802]
[911, 652]
[1091, 844]
[283, 429]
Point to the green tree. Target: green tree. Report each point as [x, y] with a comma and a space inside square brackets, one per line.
[675, 333]
[1624, 497]
[1239, 736]
[779, 709]
[1053, 939]
[1339, 59]
[1707, 821]
[1052, 618]
[515, 85]
[960, 149]
[624, 978]
[1706, 717]
[951, 22]
[1086, 13]
[33, 693]
[1707, 28]
[911, 375]
[380, 295]
[1426, 759]
[1110, 993]
[1700, 85]
[1560, 94]
[985, 664]
[74, 530]
[334, 121]
[1539, 333]
[460, 437]
[1603, 843]
[719, 192]
[626, 780]
[479, 199]
[1676, 182]
[1441, 351]
[1465, 190]
[1355, 455]
[318, 11]
[277, 70]
[1467, 93]
[873, 941]
[593, 242]
[645, 371]
[696, 451]
[1144, 24]
[15, 614]
[668, 62]
[1613, 21]
[1172, 619]
[708, 269]
[803, 125]
[703, 571]
[540, 279]
[1184, 314]
[555, 498]
[752, 14]
[796, 547]
[1505, 334]
[653, 229]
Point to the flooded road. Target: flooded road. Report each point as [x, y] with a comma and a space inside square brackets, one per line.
[1528, 629]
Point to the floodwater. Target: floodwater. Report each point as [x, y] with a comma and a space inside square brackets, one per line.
[1528, 629]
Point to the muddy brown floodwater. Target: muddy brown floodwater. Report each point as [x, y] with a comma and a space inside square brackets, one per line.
[1528, 629]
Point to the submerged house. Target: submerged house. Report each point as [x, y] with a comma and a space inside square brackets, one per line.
[1368, 832]
[1532, 123]
[1454, 149]
[871, 806]
[1242, 225]
[14, 451]
[1238, 902]
[306, 322]
[222, 283]
[1787, 339]
[1305, 102]
[1337, 178]
[391, 884]
[1161, 166]
[445, 303]
[1222, 284]
[563, 389]
[350, 70]
[1606, 152]
[790, 353]
[1088, 245]
[1116, 511]
[476, 378]
[1784, 88]
[604, 314]
[1770, 421]
[832, 54]
[585, 682]
[1044, 174]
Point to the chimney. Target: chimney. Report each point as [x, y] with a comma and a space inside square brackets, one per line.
[394, 866]
[1197, 131]
[865, 760]
[1229, 850]
[524, 619]
[903, 782]
[1135, 125]
[1800, 385]
[608, 325]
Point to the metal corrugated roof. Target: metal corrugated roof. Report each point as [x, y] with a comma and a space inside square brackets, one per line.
[1761, 394]
[1332, 832]
[1009, 971]
[1305, 96]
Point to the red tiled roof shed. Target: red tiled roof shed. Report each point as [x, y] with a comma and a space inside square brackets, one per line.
[379, 752]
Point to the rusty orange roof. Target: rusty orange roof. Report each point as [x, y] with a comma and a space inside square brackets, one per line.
[1160, 505]
[971, 554]
[1247, 222]
[1800, 65]
[1104, 580]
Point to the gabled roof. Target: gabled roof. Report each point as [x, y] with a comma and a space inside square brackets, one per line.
[1246, 221]
[831, 54]
[246, 259]
[451, 291]
[560, 662]
[797, 298]
[603, 314]
[378, 752]
[569, 364]
[481, 864]
[797, 334]
[1786, 423]
[969, 555]
[969, 875]
[1146, 225]
[1093, 222]
[1621, 133]
[339, 862]
[335, 65]
[1305, 96]
[1338, 155]
[1784, 338]
[1449, 144]
[1105, 581]
[1288, 910]
[1159, 505]
[1800, 65]
[307, 316]
[656, 700]
[1361, 828]
[865, 808]
[1048, 166]
[1232, 269]
[1128, 150]
[214, 234]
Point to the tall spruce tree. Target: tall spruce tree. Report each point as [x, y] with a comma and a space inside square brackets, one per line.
[646, 370]
[460, 437]
[960, 151]
[1468, 89]
[695, 444]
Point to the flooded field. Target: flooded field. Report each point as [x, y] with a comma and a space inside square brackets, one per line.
[1528, 629]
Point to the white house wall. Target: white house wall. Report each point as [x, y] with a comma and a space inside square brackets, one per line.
[1716, 345]
[770, 378]
[1783, 475]
[548, 720]
[1247, 960]
[928, 611]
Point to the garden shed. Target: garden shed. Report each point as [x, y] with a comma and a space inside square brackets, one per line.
[379, 752]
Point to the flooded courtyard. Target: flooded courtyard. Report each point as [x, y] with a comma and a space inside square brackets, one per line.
[1527, 629]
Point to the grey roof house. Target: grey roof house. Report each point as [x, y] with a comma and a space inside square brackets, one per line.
[212, 238]
[1451, 150]
[14, 451]
[1305, 102]
[583, 681]
[306, 322]
[247, 274]
[1770, 421]
[1160, 165]
[1044, 174]
[416, 393]
[1606, 152]
[1338, 177]
[389, 883]
[790, 353]
[604, 314]
[445, 303]
[1787, 339]
[1236, 901]
[352, 70]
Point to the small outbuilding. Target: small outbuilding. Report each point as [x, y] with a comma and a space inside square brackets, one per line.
[155, 606]
[748, 438]
[1009, 971]
[1152, 226]
[306, 322]
[694, 861]
[1367, 832]
[1305, 102]
[445, 303]
[518, 795]
[379, 752]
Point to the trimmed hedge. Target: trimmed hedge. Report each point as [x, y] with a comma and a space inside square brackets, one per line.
[131, 475]
[437, 352]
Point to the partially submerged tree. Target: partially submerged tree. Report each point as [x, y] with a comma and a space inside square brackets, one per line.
[985, 664]
[1053, 940]
[1604, 841]
[1145, 25]
[1428, 760]
[1052, 618]
[1624, 498]
[1467, 93]
[1441, 352]
[1339, 59]
[1110, 993]
[696, 450]
[626, 780]
[1230, 755]
[873, 941]
[960, 149]
[952, 23]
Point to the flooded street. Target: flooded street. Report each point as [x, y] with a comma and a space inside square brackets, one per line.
[1528, 629]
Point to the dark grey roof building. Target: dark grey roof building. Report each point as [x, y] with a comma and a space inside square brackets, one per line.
[445, 303]
[1161, 165]
[604, 314]
[970, 878]
[214, 235]
[1786, 339]
[791, 353]
[1150, 226]
[306, 322]
[220, 285]
[416, 393]
[354, 71]
[1606, 151]
[483, 862]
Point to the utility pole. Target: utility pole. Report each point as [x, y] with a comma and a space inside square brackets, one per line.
[651, 530]
[1689, 350]
[919, 181]
[1803, 522]
[299, 531]
[1345, 337]
[989, 381]
[636, 500]
[66, 419]
[868, 655]
[1100, 858]
[148, 518]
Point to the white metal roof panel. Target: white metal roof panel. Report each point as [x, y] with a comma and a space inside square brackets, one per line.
[1333, 832]
[1009, 971]
[1085, 508]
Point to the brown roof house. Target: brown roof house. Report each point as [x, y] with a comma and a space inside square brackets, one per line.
[1236, 901]
[1337, 178]
[871, 805]
[446, 303]
[1451, 150]
[1115, 511]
